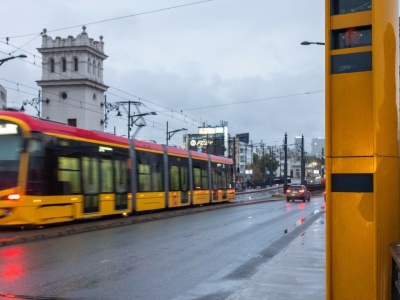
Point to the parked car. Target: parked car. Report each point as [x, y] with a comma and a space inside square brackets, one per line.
[298, 192]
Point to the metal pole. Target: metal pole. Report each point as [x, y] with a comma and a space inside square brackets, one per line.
[167, 135]
[285, 164]
[302, 162]
[234, 157]
[129, 119]
[270, 166]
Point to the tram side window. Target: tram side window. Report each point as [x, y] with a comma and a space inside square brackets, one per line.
[217, 176]
[229, 172]
[36, 181]
[204, 179]
[106, 176]
[224, 178]
[144, 178]
[178, 173]
[339, 7]
[230, 177]
[157, 177]
[197, 178]
[69, 175]
[90, 175]
[184, 179]
[214, 180]
[200, 175]
[150, 177]
[174, 178]
[121, 176]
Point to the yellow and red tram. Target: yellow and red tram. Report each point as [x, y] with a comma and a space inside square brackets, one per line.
[51, 172]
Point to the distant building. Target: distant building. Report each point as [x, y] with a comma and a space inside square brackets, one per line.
[244, 156]
[297, 142]
[3, 97]
[72, 80]
[318, 147]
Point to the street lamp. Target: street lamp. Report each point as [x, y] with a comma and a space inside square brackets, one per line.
[306, 43]
[35, 103]
[108, 107]
[136, 117]
[2, 61]
[172, 132]
[132, 119]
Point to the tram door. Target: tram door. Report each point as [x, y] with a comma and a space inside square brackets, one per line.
[121, 185]
[90, 178]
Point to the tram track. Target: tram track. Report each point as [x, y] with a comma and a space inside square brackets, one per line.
[11, 236]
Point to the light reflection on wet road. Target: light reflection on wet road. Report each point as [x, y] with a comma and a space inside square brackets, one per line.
[209, 253]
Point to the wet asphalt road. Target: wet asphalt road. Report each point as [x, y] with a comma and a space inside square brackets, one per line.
[208, 254]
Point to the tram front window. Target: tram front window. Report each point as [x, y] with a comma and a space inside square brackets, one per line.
[10, 150]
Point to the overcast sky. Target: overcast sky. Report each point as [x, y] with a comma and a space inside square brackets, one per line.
[238, 61]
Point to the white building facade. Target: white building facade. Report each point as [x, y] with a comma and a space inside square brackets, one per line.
[72, 80]
[244, 156]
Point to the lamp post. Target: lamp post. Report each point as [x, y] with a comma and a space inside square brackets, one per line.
[35, 103]
[2, 61]
[136, 117]
[108, 107]
[172, 132]
[129, 111]
[132, 119]
[306, 43]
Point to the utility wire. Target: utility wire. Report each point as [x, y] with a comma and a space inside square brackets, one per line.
[79, 102]
[256, 100]
[115, 19]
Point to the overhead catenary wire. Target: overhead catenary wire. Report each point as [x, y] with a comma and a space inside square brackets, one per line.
[102, 21]
[79, 101]
[168, 112]
[111, 19]
[255, 100]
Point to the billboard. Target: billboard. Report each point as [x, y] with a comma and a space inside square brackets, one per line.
[243, 137]
[207, 143]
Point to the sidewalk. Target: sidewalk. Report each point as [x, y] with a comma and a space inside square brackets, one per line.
[297, 272]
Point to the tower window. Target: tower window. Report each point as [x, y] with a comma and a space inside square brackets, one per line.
[75, 64]
[64, 65]
[63, 95]
[94, 67]
[72, 122]
[88, 65]
[51, 65]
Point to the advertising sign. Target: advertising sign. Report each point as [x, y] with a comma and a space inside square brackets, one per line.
[243, 137]
[207, 143]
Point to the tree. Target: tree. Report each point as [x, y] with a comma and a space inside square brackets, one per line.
[262, 164]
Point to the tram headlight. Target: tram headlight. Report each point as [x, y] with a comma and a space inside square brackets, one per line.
[12, 197]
